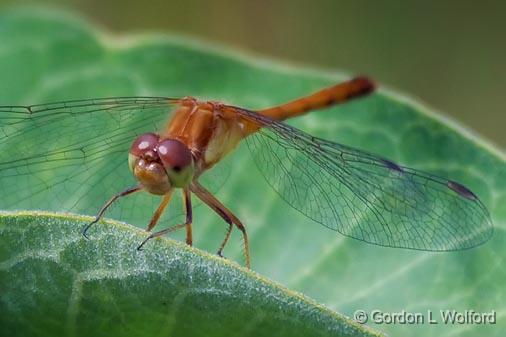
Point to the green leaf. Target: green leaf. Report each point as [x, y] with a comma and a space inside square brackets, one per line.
[50, 56]
[57, 283]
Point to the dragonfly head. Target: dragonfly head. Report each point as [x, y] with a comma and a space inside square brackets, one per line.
[160, 165]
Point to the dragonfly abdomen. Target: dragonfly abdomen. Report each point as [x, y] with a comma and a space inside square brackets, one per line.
[335, 94]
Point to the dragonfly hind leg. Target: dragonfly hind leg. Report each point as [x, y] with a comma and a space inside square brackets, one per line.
[226, 215]
[227, 236]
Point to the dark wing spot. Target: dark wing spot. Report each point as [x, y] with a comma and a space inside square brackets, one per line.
[393, 166]
[461, 190]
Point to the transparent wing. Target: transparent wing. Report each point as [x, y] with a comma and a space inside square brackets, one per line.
[364, 196]
[73, 156]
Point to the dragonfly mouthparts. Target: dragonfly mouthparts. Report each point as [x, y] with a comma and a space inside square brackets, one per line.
[151, 156]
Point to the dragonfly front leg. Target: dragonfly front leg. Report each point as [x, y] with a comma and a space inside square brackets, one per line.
[226, 215]
[107, 205]
[187, 224]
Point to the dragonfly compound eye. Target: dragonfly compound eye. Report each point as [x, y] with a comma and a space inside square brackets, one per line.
[144, 146]
[177, 160]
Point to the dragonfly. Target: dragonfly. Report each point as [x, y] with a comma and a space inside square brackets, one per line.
[78, 155]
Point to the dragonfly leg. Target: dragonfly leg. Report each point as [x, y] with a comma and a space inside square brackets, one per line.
[189, 216]
[225, 240]
[226, 214]
[107, 205]
[159, 211]
[160, 233]
[186, 225]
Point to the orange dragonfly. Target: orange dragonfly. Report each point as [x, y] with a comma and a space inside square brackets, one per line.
[356, 193]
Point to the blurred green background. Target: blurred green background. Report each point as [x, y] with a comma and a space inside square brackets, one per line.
[449, 54]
